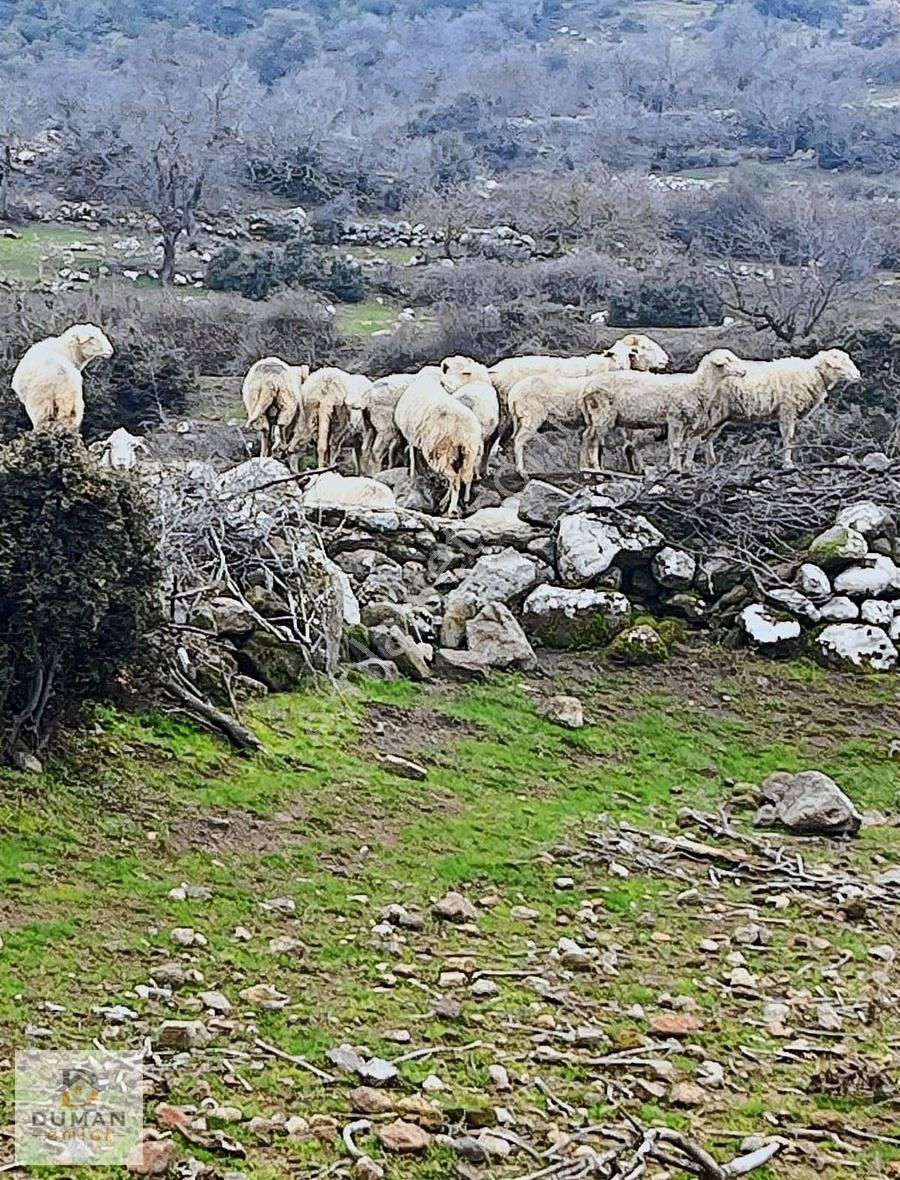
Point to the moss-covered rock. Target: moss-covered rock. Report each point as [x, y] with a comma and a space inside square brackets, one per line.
[838, 546]
[569, 619]
[639, 645]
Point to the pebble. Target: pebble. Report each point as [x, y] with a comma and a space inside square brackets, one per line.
[264, 995]
[182, 1034]
[453, 907]
[403, 1138]
[499, 1077]
[432, 1084]
[523, 913]
[451, 979]
[152, 1157]
[483, 988]
[564, 883]
[280, 905]
[186, 936]
[287, 946]
[219, 1003]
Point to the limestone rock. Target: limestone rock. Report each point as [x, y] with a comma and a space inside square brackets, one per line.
[403, 1138]
[586, 547]
[810, 803]
[871, 578]
[839, 609]
[857, 645]
[569, 618]
[813, 582]
[866, 517]
[765, 629]
[495, 637]
[566, 711]
[542, 504]
[837, 546]
[496, 577]
[639, 646]
[674, 569]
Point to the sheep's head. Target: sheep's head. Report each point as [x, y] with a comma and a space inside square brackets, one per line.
[835, 365]
[643, 353]
[457, 371]
[724, 363]
[87, 342]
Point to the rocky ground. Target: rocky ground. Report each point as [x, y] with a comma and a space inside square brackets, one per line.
[511, 954]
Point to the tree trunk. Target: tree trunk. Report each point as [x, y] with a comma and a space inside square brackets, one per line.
[167, 271]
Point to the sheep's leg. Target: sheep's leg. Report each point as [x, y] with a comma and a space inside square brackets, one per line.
[264, 442]
[412, 461]
[589, 450]
[323, 437]
[453, 505]
[489, 443]
[787, 424]
[676, 445]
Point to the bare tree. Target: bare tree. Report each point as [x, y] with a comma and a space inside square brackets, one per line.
[785, 269]
[450, 212]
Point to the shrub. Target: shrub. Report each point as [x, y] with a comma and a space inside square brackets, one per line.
[251, 273]
[661, 303]
[79, 585]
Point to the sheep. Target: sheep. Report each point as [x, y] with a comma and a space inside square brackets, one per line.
[376, 436]
[48, 379]
[642, 400]
[642, 353]
[331, 490]
[325, 415]
[461, 370]
[538, 397]
[271, 393]
[481, 398]
[444, 429]
[785, 390]
[119, 451]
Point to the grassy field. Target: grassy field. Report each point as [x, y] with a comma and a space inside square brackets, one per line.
[41, 249]
[362, 319]
[91, 849]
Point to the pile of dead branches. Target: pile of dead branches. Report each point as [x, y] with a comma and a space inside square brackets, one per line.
[759, 516]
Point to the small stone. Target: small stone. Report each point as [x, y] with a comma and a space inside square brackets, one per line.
[454, 908]
[367, 1169]
[711, 1075]
[285, 945]
[493, 1145]
[448, 1009]
[566, 711]
[377, 1070]
[523, 913]
[182, 1034]
[280, 905]
[687, 1094]
[499, 1077]
[169, 973]
[483, 988]
[184, 936]
[564, 883]
[403, 1138]
[403, 767]
[368, 1100]
[296, 1126]
[829, 1018]
[264, 995]
[452, 979]
[219, 1003]
[152, 1157]
[675, 1024]
[432, 1084]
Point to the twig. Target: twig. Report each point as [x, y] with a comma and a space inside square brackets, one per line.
[301, 1062]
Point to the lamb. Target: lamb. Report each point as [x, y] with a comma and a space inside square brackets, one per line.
[372, 421]
[331, 490]
[481, 398]
[444, 429]
[48, 379]
[784, 390]
[457, 371]
[119, 451]
[326, 415]
[641, 401]
[272, 397]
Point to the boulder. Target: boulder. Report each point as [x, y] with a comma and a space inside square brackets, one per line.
[231, 618]
[638, 646]
[877, 611]
[768, 629]
[872, 577]
[543, 504]
[392, 643]
[465, 666]
[813, 582]
[837, 546]
[498, 526]
[674, 569]
[563, 710]
[495, 637]
[565, 618]
[809, 803]
[586, 546]
[795, 602]
[496, 577]
[377, 669]
[277, 663]
[839, 610]
[856, 645]
[866, 517]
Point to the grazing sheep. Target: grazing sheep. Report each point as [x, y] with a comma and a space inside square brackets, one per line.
[331, 490]
[641, 401]
[271, 393]
[48, 378]
[375, 437]
[326, 414]
[119, 451]
[446, 432]
[461, 370]
[633, 351]
[783, 390]
[481, 399]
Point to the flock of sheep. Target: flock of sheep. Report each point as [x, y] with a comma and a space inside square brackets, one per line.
[452, 417]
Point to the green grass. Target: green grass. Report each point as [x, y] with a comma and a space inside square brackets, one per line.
[21, 258]
[398, 255]
[91, 849]
[362, 319]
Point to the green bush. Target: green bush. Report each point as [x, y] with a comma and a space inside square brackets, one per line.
[251, 273]
[258, 273]
[658, 303]
[78, 585]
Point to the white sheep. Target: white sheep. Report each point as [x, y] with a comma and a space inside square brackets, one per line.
[551, 395]
[457, 371]
[48, 379]
[120, 450]
[641, 401]
[445, 431]
[272, 397]
[375, 433]
[326, 414]
[783, 390]
[470, 381]
[332, 490]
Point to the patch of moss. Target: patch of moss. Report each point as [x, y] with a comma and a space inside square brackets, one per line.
[639, 645]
